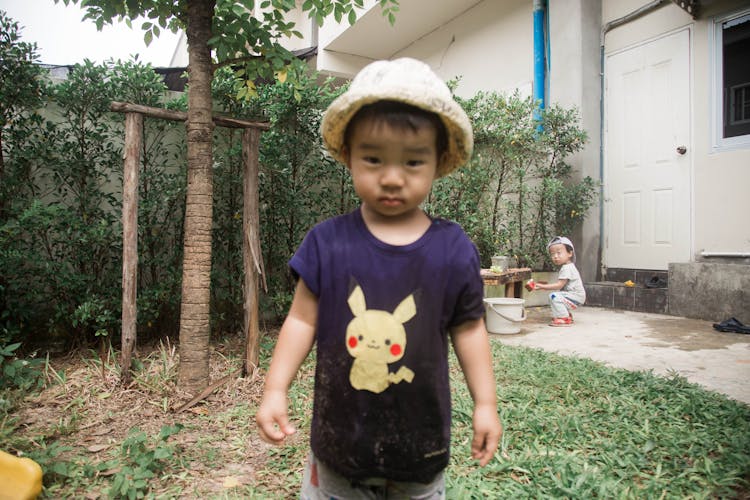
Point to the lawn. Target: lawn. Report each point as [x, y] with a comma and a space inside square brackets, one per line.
[574, 428]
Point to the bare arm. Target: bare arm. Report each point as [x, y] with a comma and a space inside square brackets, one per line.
[294, 344]
[557, 285]
[472, 347]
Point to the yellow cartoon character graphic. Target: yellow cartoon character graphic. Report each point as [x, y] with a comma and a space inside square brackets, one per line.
[376, 338]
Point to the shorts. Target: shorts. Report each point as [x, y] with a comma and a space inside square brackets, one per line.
[321, 483]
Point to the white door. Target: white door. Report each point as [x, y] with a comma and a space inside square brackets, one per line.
[647, 155]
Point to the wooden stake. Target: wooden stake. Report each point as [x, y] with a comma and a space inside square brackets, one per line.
[251, 256]
[131, 155]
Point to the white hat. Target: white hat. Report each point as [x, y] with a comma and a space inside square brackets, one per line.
[403, 80]
[562, 240]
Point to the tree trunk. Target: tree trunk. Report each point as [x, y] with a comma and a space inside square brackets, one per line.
[196, 272]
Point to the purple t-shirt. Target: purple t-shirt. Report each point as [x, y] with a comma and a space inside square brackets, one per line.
[382, 396]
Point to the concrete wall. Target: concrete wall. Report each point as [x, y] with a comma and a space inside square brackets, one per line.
[487, 43]
[490, 47]
[574, 80]
[713, 292]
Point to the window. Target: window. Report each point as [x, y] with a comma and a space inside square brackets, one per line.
[732, 81]
[739, 109]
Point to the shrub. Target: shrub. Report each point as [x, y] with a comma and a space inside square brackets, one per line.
[517, 191]
[60, 230]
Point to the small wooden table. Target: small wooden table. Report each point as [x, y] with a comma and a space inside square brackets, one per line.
[513, 280]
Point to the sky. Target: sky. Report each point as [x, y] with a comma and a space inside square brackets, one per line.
[63, 39]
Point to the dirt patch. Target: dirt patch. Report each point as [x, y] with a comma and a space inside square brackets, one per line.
[91, 414]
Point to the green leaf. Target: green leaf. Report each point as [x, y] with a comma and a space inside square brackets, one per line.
[170, 430]
[148, 38]
[10, 348]
[352, 17]
[238, 10]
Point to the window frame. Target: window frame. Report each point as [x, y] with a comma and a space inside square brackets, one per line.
[720, 143]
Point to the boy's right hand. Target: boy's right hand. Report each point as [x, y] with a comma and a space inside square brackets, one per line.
[272, 419]
[530, 285]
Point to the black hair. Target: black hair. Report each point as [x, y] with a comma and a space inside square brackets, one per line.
[401, 116]
[556, 241]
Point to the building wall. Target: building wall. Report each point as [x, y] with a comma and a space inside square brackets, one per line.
[720, 179]
[490, 47]
[574, 80]
[472, 45]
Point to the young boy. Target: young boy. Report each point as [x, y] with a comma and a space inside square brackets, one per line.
[568, 289]
[380, 290]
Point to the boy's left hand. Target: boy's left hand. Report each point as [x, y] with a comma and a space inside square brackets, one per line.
[487, 432]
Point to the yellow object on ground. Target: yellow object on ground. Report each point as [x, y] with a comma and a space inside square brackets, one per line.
[21, 478]
[629, 283]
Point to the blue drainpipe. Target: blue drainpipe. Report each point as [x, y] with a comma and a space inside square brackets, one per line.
[540, 73]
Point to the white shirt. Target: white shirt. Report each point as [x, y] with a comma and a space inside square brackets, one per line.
[574, 286]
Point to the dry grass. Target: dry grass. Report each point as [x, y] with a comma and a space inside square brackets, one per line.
[88, 416]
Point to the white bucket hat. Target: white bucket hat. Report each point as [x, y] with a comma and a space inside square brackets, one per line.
[562, 240]
[403, 80]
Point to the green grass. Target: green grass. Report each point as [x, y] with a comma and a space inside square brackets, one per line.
[575, 428]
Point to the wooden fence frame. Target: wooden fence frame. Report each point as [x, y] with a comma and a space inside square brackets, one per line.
[251, 252]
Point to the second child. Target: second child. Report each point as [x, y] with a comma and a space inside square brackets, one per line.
[567, 292]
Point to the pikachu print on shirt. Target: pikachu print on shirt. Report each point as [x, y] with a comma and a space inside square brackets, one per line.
[375, 338]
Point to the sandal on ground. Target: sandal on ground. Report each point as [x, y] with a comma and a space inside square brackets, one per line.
[561, 321]
[656, 282]
[732, 325]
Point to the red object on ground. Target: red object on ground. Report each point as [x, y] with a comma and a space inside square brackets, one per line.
[562, 321]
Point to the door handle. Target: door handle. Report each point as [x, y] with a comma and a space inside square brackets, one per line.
[681, 150]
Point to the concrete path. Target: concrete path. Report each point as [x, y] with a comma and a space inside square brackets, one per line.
[641, 341]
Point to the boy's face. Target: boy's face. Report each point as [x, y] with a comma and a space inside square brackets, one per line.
[560, 254]
[392, 168]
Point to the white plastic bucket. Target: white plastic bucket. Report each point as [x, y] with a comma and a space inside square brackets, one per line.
[504, 315]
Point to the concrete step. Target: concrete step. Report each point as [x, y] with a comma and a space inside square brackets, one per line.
[615, 294]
